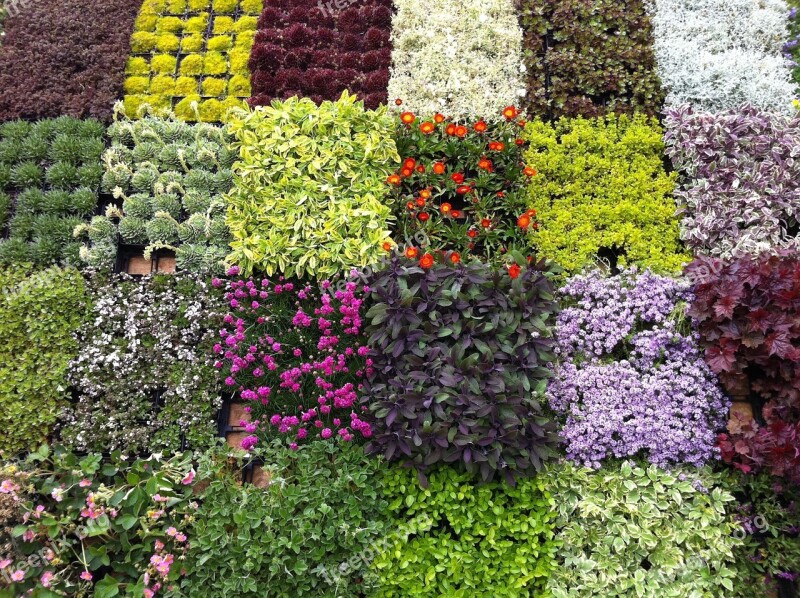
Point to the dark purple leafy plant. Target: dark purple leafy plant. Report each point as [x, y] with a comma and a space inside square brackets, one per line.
[65, 57]
[740, 187]
[460, 358]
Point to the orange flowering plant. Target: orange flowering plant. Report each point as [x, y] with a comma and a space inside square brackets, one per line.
[463, 184]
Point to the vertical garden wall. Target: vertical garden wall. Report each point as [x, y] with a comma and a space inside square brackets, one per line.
[368, 298]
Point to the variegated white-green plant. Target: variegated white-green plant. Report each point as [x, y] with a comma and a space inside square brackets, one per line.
[310, 189]
[638, 531]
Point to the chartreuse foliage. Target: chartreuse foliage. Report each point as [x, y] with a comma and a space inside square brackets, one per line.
[304, 535]
[463, 539]
[39, 312]
[602, 190]
[627, 530]
[191, 56]
[310, 186]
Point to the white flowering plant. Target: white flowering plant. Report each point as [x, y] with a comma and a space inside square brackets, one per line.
[459, 58]
[143, 379]
[719, 54]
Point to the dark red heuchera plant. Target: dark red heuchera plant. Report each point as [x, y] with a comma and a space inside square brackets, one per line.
[310, 48]
[65, 57]
[748, 314]
[460, 356]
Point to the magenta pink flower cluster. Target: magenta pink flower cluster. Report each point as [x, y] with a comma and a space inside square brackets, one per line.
[295, 353]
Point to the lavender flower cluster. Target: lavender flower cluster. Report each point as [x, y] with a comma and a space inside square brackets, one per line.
[630, 380]
[741, 179]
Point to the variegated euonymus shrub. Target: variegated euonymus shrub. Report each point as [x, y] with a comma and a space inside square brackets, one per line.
[740, 183]
[310, 185]
[460, 358]
[635, 531]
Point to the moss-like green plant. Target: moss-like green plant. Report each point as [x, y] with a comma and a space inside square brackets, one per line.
[39, 312]
[137, 65]
[220, 43]
[143, 41]
[602, 192]
[192, 43]
[239, 60]
[163, 85]
[460, 538]
[176, 7]
[309, 189]
[252, 7]
[213, 87]
[239, 86]
[224, 6]
[169, 25]
[246, 24]
[163, 63]
[197, 24]
[198, 5]
[188, 108]
[145, 22]
[185, 86]
[167, 42]
[223, 25]
[137, 85]
[214, 63]
[192, 65]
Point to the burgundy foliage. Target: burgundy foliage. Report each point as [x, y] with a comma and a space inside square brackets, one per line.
[310, 49]
[65, 57]
[748, 313]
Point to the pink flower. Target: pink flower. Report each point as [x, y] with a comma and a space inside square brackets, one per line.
[18, 575]
[189, 478]
[171, 531]
[326, 433]
[84, 483]
[47, 578]
[5, 563]
[249, 442]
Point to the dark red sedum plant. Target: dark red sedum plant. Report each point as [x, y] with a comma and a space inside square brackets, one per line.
[65, 57]
[308, 48]
[748, 312]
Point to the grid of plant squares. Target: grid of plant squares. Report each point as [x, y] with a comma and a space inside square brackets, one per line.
[489, 299]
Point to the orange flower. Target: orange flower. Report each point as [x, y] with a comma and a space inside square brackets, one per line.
[427, 128]
[529, 171]
[524, 221]
[410, 205]
[535, 226]
[461, 131]
[463, 189]
[486, 223]
[394, 179]
[497, 146]
[420, 168]
[425, 194]
[501, 194]
[408, 117]
[423, 216]
[510, 112]
[409, 163]
[387, 246]
[438, 168]
[450, 129]
[412, 252]
[406, 172]
[420, 202]
[426, 261]
[457, 178]
[438, 118]
[485, 164]
[521, 123]
[472, 233]
[531, 212]
[471, 245]
[519, 141]
[514, 270]
[455, 214]
[445, 208]
[398, 102]
[455, 258]
[481, 126]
